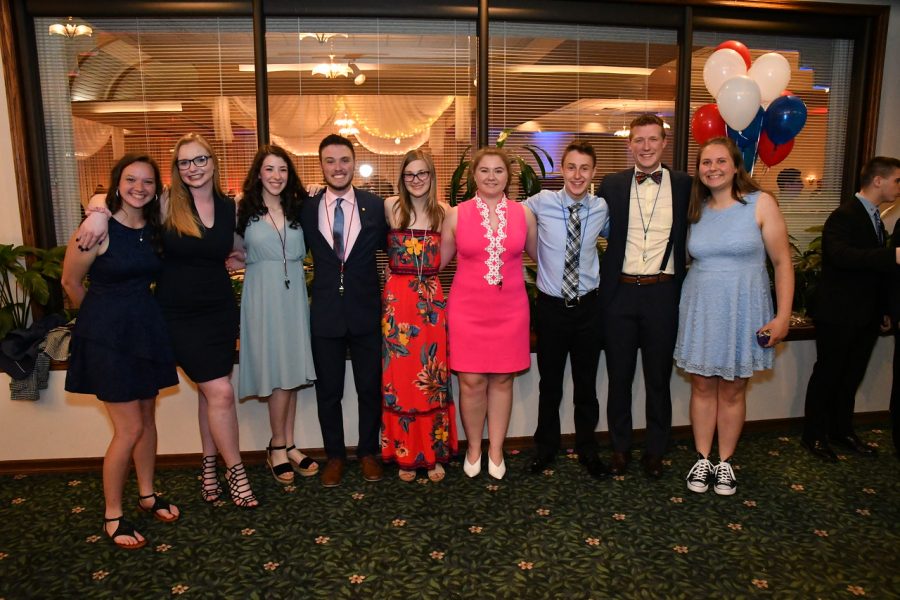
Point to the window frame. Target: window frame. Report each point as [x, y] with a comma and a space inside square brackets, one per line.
[866, 25]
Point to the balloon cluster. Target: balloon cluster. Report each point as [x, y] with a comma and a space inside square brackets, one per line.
[752, 105]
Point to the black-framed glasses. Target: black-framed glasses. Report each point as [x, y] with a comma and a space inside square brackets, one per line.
[185, 163]
[417, 176]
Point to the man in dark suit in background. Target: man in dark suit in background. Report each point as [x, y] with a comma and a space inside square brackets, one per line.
[344, 227]
[640, 287]
[850, 306]
[895, 319]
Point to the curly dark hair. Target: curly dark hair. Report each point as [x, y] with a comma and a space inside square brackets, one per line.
[252, 207]
[151, 209]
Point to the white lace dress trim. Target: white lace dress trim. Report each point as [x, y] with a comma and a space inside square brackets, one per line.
[495, 239]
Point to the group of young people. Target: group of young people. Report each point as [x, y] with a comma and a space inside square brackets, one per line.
[720, 325]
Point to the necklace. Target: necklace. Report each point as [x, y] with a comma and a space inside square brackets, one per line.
[283, 240]
[495, 239]
[419, 259]
[644, 226]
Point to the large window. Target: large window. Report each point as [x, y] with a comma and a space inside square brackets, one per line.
[139, 85]
[390, 85]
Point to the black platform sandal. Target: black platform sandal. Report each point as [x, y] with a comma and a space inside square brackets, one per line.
[306, 467]
[125, 528]
[210, 489]
[239, 487]
[283, 473]
[158, 505]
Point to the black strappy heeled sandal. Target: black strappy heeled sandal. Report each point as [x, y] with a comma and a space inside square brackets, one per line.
[283, 473]
[306, 466]
[125, 528]
[239, 487]
[158, 505]
[210, 489]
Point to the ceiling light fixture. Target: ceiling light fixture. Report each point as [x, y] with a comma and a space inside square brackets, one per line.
[322, 37]
[331, 70]
[624, 132]
[359, 77]
[70, 29]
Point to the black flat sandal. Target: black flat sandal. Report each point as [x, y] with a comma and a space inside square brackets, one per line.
[307, 467]
[209, 477]
[158, 505]
[279, 472]
[125, 528]
[239, 487]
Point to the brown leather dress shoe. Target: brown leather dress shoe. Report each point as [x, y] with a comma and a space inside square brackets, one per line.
[333, 472]
[618, 464]
[652, 465]
[371, 468]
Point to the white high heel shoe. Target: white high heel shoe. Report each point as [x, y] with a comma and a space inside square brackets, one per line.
[472, 469]
[496, 471]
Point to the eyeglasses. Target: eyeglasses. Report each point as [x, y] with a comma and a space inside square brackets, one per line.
[185, 163]
[418, 176]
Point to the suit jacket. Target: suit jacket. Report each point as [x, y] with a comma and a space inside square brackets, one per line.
[895, 283]
[358, 310]
[855, 269]
[616, 190]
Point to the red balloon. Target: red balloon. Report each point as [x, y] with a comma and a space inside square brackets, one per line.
[739, 48]
[707, 123]
[771, 154]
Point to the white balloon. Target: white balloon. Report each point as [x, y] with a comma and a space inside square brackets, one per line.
[721, 66]
[771, 72]
[738, 101]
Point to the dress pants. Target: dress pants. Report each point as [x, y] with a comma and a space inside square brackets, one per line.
[842, 355]
[641, 317]
[330, 359]
[567, 332]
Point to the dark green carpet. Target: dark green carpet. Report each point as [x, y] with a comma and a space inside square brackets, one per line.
[796, 528]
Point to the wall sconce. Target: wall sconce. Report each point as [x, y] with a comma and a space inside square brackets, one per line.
[70, 29]
[359, 77]
[811, 179]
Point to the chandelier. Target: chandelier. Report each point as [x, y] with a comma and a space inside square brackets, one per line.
[70, 30]
[332, 70]
[322, 37]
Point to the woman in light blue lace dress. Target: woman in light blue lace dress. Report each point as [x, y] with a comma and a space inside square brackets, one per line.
[726, 328]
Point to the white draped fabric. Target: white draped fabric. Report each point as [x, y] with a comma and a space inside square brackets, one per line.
[90, 136]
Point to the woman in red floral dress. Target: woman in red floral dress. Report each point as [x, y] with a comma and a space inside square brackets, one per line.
[419, 418]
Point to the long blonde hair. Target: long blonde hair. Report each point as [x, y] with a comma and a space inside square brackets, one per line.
[181, 217]
[403, 208]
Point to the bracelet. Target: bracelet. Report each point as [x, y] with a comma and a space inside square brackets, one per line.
[99, 209]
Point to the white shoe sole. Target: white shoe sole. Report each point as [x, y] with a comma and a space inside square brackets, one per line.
[697, 488]
[725, 491]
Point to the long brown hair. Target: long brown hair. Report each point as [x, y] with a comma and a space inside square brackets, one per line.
[252, 207]
[489, 151]
[403, 208]
[741, 185]
[181, 217]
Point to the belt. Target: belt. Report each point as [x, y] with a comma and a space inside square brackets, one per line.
[569, 303]
[645, 279]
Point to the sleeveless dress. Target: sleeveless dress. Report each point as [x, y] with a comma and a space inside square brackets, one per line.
[195, 294]
[726, 295]
[275, 340]
[120, 349]
[488, 322]
[418, 417]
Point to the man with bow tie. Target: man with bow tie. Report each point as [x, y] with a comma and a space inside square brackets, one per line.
[640, 287]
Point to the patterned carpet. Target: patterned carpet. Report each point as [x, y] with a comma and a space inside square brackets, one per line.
[796, 528]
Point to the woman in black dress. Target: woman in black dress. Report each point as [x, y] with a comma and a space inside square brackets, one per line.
[120, 351]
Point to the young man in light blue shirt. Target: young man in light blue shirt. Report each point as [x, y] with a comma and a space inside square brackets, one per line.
[567, 313]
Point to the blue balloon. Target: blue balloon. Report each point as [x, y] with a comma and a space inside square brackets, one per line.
[749, 136]
[784, 119]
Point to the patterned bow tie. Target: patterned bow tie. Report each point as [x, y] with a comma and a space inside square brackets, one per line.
[656, 176]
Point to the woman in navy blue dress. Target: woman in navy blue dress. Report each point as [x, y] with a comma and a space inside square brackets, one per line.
[120, 351]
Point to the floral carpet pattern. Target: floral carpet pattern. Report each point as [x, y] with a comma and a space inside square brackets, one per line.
[796, 528]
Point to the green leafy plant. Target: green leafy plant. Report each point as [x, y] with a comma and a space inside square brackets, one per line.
[529, 182]
[25, 277]
[807, 270]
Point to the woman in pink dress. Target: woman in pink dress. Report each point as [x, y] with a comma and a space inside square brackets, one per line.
[487, 312]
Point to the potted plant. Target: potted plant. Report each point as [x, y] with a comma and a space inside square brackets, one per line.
[26, 276]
